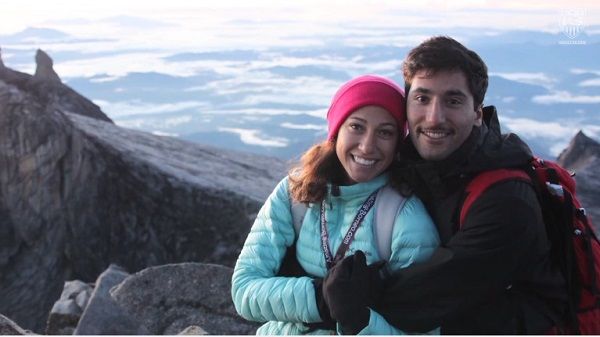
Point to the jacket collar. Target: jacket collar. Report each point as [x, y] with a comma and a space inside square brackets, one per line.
[359, 190]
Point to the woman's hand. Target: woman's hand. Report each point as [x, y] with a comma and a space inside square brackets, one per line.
[349, 289]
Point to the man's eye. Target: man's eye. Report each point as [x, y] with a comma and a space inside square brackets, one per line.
[421, 99]
[454, 101]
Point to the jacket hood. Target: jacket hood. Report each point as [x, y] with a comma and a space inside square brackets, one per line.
[494, 149]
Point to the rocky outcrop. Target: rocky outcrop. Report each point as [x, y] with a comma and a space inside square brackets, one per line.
[583, 157]
[78, 193]
[45, 85]
[11, 76]
[581, 153]
[44, 71]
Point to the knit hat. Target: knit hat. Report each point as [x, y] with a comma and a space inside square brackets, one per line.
[362, 91]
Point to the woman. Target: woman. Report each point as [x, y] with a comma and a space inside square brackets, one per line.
[338, 179]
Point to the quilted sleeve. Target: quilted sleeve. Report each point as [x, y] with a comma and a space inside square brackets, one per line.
[415, 236]
[259, 295]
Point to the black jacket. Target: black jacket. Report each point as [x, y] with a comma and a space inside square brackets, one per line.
[493, 276]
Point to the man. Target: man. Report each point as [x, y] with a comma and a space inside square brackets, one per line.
[494, 275]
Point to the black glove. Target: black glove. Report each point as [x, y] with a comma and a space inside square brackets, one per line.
[349, 289]
[290, 267]
[327, 322]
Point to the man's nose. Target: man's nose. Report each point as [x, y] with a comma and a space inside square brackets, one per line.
[435, 112]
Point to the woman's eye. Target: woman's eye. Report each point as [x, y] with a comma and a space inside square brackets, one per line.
[386, 133]
[355, 126]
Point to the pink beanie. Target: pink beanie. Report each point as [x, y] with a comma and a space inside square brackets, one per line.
[362, 91]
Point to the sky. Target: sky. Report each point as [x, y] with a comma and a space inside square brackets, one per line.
[185, 26]
[114, 38]
[300, 16]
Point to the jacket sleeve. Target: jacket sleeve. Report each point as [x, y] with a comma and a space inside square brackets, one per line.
[259, 295]
[503, 228]
[415, 238]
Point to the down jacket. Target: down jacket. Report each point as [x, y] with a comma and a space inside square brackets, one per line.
[286, 302]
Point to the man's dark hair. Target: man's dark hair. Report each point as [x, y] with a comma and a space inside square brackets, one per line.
[440, 53]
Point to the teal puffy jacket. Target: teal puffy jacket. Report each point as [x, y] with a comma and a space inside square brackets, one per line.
[286, 302]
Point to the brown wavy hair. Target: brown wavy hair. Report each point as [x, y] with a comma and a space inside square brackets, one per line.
[320, 165]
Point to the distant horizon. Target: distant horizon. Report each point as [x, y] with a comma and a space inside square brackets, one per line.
[179, 26]
[260, 75]
[534, 15]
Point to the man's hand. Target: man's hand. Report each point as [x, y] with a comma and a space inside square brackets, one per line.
[349, 289]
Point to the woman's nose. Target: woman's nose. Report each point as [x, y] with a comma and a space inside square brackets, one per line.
[367, 142]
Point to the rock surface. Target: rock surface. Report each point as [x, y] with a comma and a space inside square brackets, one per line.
[66, 312]
[193, 330]
[44, 71]
[169, 298]
[103, 316]
[583, 157]
[78, 193]
[8, 327]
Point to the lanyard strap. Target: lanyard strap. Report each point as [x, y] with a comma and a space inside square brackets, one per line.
[358, 219]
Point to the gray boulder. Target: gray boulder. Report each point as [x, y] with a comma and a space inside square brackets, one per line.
[169, 298]
[103, 316]
[193, 330]
[8, 327]
[66, 312]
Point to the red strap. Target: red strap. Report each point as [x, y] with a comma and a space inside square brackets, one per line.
[483, 181]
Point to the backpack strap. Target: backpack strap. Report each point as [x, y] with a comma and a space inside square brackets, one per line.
[298, 212]
[485, 180]
[387, 207]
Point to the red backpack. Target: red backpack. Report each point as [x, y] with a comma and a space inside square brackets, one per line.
[575, 246]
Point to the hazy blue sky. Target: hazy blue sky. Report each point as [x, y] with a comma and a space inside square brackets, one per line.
[238, 47]
[523, 14]
[183, 26]
[187, 18]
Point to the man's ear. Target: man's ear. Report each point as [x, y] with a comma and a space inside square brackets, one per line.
[479, 115]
